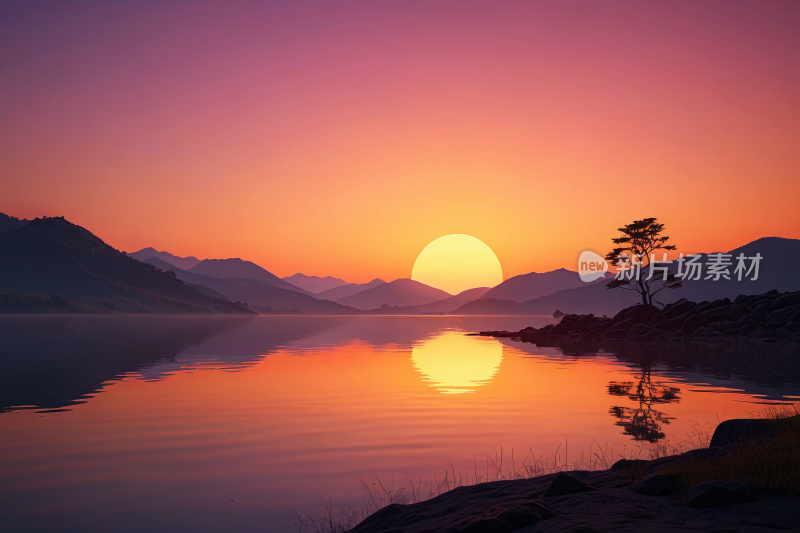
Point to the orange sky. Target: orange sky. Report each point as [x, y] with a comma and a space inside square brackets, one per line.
[341, 138]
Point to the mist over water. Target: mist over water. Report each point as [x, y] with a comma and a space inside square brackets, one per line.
[123, 424]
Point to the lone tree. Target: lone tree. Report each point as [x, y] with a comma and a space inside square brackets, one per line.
[640, 239]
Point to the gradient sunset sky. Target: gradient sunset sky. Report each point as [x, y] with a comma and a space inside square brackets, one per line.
[340, 138]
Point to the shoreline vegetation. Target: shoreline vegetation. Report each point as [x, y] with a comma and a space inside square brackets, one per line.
[745, 477]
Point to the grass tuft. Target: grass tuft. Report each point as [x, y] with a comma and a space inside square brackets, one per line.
[772, 465]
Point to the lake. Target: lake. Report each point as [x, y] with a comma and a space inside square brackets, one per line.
[208, 424]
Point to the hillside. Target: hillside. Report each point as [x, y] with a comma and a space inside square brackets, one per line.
[534, 285]
[454, 302]
[8, 223]
[314, 284]
[51, 256]
[239, 268]
[350, 289]
[400, 292]
[256, 293]
[181, 262]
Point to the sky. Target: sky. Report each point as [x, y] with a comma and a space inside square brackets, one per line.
[340, 138]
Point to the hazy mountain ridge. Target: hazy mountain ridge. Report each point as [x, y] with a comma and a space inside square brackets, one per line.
[181, 262]
[235, 267]
[350, 289]
[400, 292]
[534, 285]
[314, 284]
[258, 294]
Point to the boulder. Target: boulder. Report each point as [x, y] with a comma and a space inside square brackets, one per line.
[585, 320]
[678, 308]
[738, 429]
[707, 306]
[624, 464]
[656, 485]
[564, 484]
[787, 300]
[691, 324]
[625, 313]
[703, 331]
[642, 313]
[526, 515]
[714, 493]
[620, 329]
[784, 314]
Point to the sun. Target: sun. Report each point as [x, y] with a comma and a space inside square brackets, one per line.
[455, 263]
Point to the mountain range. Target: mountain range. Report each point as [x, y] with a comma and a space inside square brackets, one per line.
[260, 296]
[314, 284]
[535, 285]
[400, 292]
[337, 293]
[181, 262]
[52, 265]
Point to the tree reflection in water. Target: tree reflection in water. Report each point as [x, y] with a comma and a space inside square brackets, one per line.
[643, 422]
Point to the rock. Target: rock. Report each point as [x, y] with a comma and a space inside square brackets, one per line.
[623, 464]
[642, 313]
[707, 306]
[564, 484]
[783, 315]
[714, 493]
[678, 308]
[526, 515]
[691, 324]
[656, 485]
[790, 299]
[620, 329]
[558, 314]
[738, 429]
[704, 332]
[584, 321]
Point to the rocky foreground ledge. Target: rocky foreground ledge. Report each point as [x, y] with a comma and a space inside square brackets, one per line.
[632, 496]
[768, 317]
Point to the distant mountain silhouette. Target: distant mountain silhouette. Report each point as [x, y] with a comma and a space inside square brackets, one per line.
[454, 302]
[166, 267]
[8, 223]
[239, 268]
[778, 270]
[534, 285]
[350, 289]
[256, 293]
[399, 292]
[181, 262]
[314, 284]
[51, 256]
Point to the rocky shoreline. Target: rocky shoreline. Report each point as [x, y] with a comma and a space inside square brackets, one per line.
[631, 496]
[768, 317]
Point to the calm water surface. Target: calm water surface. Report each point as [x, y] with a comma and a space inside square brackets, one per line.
[130, 424]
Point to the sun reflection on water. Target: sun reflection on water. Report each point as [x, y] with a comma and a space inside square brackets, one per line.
[454, 363]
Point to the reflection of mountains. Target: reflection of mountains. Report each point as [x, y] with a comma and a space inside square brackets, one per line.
[759, 369]
[52, 362]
